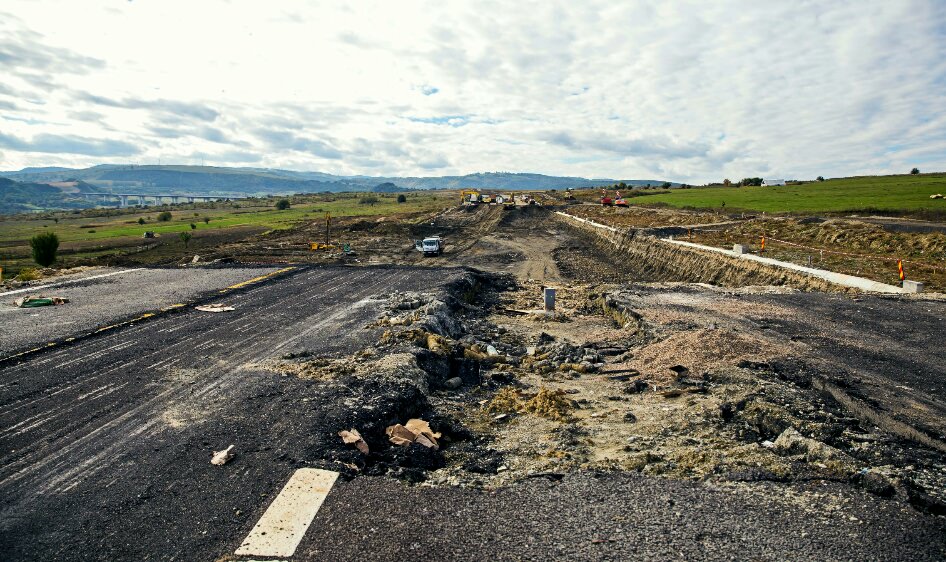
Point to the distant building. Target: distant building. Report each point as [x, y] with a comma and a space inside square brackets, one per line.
[769, 183]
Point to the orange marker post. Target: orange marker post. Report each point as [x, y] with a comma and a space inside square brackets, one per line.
[900, 269]
[762, 249]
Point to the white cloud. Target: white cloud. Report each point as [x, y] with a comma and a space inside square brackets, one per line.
[687, 90]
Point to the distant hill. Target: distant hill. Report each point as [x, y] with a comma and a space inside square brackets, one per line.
[503, 181]
[19, 197]
[388, 187]
[35, 171]
[242, 182]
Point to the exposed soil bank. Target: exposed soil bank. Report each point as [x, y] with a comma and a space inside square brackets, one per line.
[651, 260]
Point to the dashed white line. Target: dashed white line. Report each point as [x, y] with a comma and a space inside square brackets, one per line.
[280, 530]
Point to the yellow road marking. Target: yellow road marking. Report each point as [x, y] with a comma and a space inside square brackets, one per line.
[256, 279]
[149, 314]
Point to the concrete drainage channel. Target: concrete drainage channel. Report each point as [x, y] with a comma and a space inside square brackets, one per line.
[659, 259]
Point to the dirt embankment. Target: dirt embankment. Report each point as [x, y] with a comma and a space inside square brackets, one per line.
[844, 245]
[649, 259]
[638, 217]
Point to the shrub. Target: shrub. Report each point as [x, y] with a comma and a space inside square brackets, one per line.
[282, 204]
[368, 200]
[401, 198]
[820, 178]
[915, 171]
[141, 220]
[44, 248]
[206, 220]
[193, 226]
[28, 274]
[186, 237]
[164, 216]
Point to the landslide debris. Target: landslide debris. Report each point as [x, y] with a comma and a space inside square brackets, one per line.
[674, 380]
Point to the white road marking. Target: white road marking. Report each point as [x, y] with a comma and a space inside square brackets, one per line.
[51, 285]
[280, 530]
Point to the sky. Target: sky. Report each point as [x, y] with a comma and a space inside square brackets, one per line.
[688, 91]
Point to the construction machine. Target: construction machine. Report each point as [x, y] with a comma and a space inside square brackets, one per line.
[618, 200]
[430, 246]
[606, 199]
[469, 197]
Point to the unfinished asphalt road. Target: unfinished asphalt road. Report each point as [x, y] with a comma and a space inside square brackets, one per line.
[106, 443]
[105, 449]
[104, 296]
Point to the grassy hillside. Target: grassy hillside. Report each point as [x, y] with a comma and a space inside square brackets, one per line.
[904, 193]
[105, 233]
[259, 213]
[19, 197]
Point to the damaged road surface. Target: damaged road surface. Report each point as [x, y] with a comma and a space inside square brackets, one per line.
[312, 421]
[105, 444]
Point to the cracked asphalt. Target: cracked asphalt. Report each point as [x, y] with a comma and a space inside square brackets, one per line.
[105, 447]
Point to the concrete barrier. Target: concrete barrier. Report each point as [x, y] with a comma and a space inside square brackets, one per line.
[912, 287]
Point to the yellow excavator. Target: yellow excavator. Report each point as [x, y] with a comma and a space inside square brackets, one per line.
[469, 197]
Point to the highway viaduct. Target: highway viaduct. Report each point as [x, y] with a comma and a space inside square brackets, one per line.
[124, 199]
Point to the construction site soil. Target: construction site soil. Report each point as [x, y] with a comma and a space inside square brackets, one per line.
[826, 406]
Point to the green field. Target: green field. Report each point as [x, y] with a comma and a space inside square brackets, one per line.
[76, 228]
[908, 194]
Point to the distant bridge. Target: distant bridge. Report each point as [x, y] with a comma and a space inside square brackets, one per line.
[157, 198]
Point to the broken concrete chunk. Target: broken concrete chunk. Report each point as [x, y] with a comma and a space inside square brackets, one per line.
[214, 308]
[353, 437]
[793, 443]
[221, 458]
[438, 344]
[420, 426]
[400, 435]
[415, 431]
